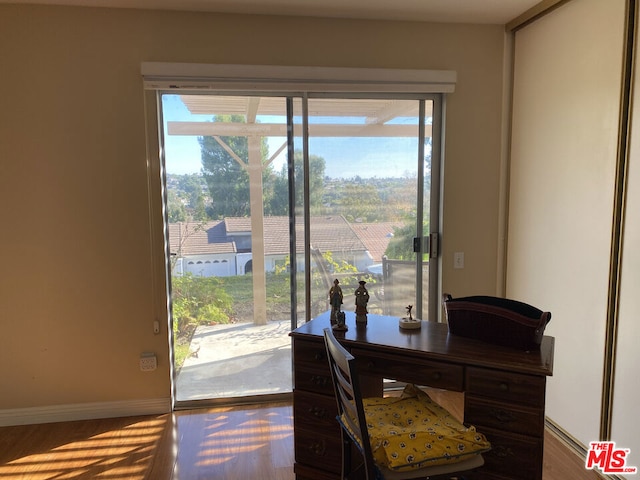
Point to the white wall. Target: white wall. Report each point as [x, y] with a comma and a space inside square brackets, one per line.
[211, 265]
[565, 123]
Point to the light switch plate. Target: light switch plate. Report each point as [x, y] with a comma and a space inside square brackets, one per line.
[458, 260]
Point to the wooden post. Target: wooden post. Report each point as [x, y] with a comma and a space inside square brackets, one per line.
[257, 232]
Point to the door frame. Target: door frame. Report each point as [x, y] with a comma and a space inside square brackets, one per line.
[160, 77]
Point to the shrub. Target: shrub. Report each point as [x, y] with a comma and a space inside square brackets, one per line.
[201, 299]
[211, 314]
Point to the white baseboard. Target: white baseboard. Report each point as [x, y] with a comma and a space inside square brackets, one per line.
[84, 411]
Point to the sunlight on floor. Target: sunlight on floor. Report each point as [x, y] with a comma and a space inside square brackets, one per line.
[123, 453]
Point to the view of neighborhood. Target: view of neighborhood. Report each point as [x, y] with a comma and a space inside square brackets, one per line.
[223, 247]
[228, 214]
[204, 247]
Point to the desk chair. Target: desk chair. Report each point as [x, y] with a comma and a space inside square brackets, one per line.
[352, 419]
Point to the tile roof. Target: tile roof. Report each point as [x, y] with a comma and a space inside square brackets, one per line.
[239, 224]
[276, 236]
[333, 234]
[199, 238]
[328, 233]
[376, 236]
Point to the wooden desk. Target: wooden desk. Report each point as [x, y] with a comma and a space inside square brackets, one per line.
[504, 390]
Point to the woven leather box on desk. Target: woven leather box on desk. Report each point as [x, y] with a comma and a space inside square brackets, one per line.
[496, 320]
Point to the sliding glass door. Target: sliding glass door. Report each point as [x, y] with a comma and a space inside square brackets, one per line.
[268, 201]
[369, 201]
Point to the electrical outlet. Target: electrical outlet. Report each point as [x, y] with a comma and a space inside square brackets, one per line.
[148, 362]
[458, 260]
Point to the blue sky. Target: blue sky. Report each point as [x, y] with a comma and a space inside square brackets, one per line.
[182, 153]
[344, 157]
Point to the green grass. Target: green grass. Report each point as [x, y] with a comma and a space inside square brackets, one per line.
[278, 294]
[240, 287]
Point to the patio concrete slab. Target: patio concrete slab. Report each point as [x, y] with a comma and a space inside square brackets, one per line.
[237, 360]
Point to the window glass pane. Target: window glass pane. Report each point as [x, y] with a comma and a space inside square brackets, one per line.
[227, 212]
[363, 156]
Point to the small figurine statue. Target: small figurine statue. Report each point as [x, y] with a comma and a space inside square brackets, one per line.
[362, 298]
[409, 323]
[335, 298]
[409, 307]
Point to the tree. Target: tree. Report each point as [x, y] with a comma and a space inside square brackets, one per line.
[226, 178]
[186, 200]
[316, 179]
[191, 187]
[176, 210]
[280, 199]
[401, 245]
[359, 202]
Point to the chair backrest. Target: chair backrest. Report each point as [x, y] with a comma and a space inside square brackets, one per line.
[349, 399]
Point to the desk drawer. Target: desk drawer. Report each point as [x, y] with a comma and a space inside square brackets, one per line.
[316, 450]
[315, 412]
[311, 355]
[513, 456]
[313, 381]
[424, 372]
[510, 418]
[506, 387]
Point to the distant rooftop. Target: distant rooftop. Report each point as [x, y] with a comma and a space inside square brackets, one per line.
[328, 233]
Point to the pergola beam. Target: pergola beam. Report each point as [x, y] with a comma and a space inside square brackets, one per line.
[391, 110]
[252, 109]
[207, 129]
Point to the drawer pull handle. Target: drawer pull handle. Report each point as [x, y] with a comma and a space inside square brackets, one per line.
[502, 451]
[319, 381]
[370, 365]
[319, 356]
[318, 448]
[436, 375]
[318, 412]
[503, 386]
[502, 416]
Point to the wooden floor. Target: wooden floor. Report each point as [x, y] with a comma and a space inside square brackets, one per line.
[230, 443]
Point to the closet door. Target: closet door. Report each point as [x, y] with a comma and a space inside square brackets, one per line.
[564, 146]
[625, 421]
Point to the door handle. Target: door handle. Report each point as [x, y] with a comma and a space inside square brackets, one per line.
[417, 244]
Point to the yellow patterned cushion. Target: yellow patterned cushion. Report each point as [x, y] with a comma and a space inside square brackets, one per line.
[413, 431]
